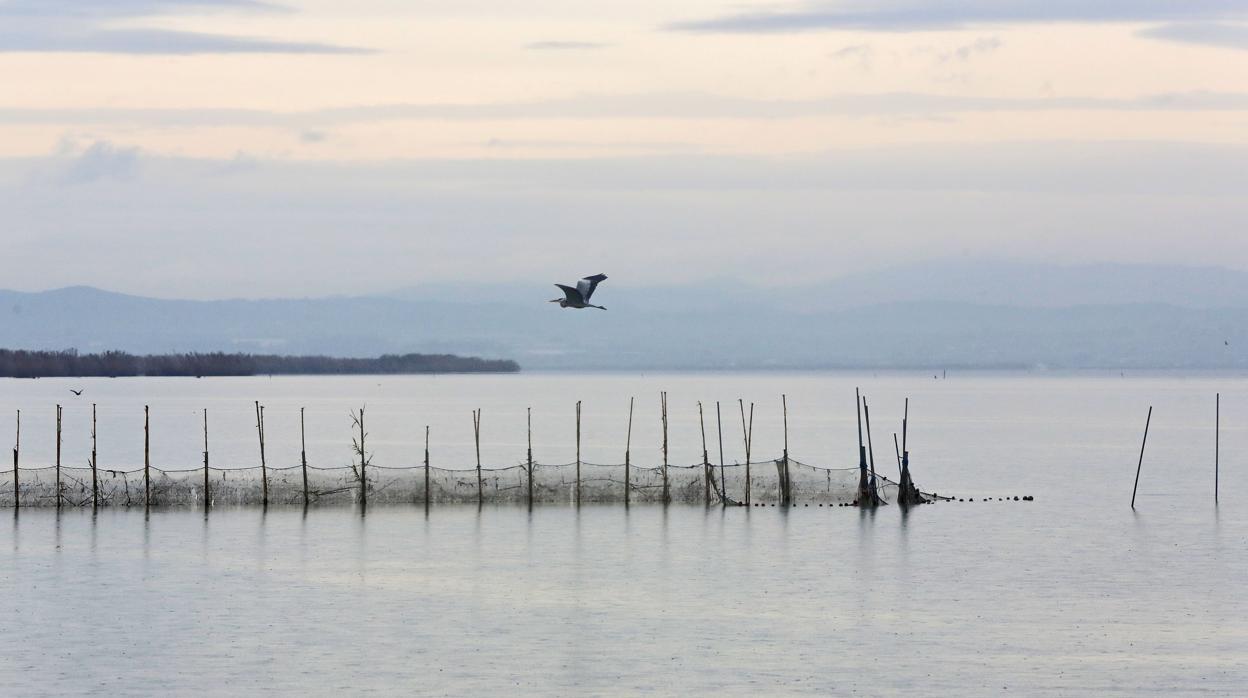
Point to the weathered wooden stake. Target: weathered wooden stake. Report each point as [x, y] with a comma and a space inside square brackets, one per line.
[476, 435]
[723, 485]
[706, 461]
[363, 462]
[628, 443]
[666, 491]
[58, 456]
[17, 449]
[264, 471]
[1140, 465]
[746, 433]
[864, 490]
[1217, 441]
[207, 495]
[147, 457]
[95, 488]
[875, 495]
[578, 452]
[426, 465]
[303, 455]
[897, 448]
[529, 418]
[786, 491]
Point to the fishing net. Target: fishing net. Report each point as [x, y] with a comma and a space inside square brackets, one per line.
[762, 482]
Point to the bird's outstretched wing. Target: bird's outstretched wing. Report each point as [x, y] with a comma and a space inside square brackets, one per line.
[587, 285]
[573, 295]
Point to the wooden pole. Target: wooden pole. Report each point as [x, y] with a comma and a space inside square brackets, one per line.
[363, 462]
[529, 418]
[207, 495]
[746, 433]
[264, 471]
[17, 449]
[723, 486]
[864, 490]
[1140, 465]
[426, 466]
[476, 435]
[628, 442]
[666, 490]
[95, 488]
[866, 414]
[786, 493]
[58, 456]
[706, 462]
[147, 457]
[897, 448]
[578, 452]
[1217, 441]
[303, 455]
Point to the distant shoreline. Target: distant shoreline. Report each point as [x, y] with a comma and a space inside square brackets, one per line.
[116, 364]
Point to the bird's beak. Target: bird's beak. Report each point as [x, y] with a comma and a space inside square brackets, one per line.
[554, 300]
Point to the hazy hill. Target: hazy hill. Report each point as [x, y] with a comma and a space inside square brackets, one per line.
[937, 316]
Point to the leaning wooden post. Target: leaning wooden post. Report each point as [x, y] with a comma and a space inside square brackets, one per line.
[628, 442]
[1217, 441]
[426, 466]
[264, 471]
[1140, 465]
[529, 422]
[578, 452]
[786, 492]
[17, 449]
[58, 456]
[875, 495]
[746, 433]
[147, 457]
[95, 487]
[303, 455]
[863, 487]
[723, 484]
[207, 496]
[476, 435]
[666, 489]
[706, 463]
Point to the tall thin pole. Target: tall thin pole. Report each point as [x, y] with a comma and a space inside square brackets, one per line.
[426, 465]
[1217, 441]
[207, 495]
[303, 455]
[786, 492]
[719, 426]
[58, 456]
[578, 452]
[866, 414]
[706, 462]
[628, 443]
[147, 457]
[666, 490]
[264, 471]
[529, 418]
[1140, 465]
[17, 449]
[745, 434]
[897, 448]
[864, 490]
[95, 488]
[363, 462]
[476, 435]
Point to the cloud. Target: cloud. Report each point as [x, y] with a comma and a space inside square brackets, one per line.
[861, 55]
[911, 15]
[1206, 33]
[78, 26]
[101, 160]
[564, 45]
[683, 105]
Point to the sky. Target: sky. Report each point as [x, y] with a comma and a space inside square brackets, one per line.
[246, 148]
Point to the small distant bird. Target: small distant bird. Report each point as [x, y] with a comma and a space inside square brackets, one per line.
[76, 392]
[1226, 342]
[579, 297]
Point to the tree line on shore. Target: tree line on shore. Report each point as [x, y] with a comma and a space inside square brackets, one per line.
[108, 364]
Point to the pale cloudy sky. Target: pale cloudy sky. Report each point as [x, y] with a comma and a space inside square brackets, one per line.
[207, 148]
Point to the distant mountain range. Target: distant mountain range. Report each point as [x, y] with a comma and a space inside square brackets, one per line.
[936, 316]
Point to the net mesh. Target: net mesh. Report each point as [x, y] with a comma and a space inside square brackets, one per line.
[761, 482]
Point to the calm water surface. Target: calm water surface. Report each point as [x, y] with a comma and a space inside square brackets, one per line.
[1071, 594]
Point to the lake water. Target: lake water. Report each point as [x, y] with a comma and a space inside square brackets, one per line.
[1073, 593]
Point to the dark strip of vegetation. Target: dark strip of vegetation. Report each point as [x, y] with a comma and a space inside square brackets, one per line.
[69, 363]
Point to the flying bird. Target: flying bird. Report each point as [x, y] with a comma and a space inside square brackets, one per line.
[579, 297]
[76, 392]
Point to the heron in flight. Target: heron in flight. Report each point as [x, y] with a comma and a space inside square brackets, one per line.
[579, 297]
